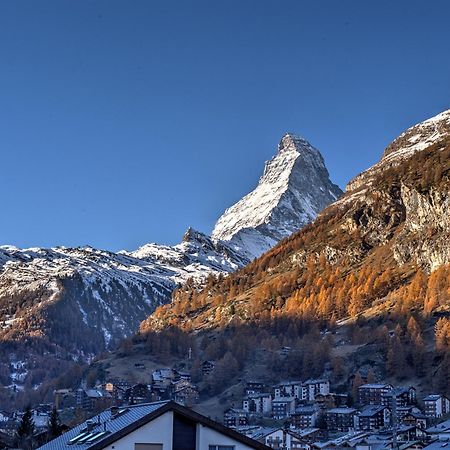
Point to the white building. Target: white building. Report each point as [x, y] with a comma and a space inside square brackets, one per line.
[315, 387]
[288, 389]
[436, 405]
[152, 426]
[257, 403]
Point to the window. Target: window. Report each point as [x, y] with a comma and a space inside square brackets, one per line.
[221, 447]
[148, 447]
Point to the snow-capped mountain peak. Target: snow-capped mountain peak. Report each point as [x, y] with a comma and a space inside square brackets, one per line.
[413, 140]
[293, 189]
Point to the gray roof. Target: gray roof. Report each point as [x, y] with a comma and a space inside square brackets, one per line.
[440, 427]
[342, 410]
[283, 400]
[371, 410]
[108, 429]
[375, 385]
[437, 445]
[432, 397]
[128, 416]
[263, 432]
[310, 409]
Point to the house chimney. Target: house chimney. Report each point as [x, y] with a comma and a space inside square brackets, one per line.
[114, 412]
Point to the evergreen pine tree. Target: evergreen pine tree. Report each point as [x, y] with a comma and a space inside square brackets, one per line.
[54, 425]
[25, 430]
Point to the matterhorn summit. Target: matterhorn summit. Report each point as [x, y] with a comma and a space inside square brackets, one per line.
[293, 189]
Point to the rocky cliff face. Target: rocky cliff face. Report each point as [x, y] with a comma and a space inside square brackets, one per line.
[416, 200]
[425, 237]
[293, 189]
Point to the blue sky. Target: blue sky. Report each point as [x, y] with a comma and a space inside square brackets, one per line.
[125, 122]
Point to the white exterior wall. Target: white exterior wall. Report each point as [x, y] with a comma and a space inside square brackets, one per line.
[324, 388]
[158, 431]
[207, 436]
[446, 405]
[267, 404]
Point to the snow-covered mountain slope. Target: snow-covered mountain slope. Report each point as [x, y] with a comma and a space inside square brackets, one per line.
[410, 142]
[113, 292]
[293, 189]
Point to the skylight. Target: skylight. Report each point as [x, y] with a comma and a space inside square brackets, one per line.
[77, 438]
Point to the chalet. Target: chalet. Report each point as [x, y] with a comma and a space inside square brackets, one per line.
[207, 367]
[234, 418]
[436, 405]
[138, 393]
[407, 433]
[117, 389]
[340, 419]
[373, 417]
[153, 426]
[283, 407]
[92, 399]
[183, 375]
[305, 417]
[60, 397]
[185, 393]
[331, 400]
[162, 378]
[399, 397]
[371, 394]
[257, 403]
[280, 438]
[415, 418]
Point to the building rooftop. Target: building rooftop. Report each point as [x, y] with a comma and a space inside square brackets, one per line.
[306, 409]
[283, 399]
[371, 410]
[105, 424]
[440, 427]
[342, 410]
[437, 445]
[112, 424]
[432, 397]
[375, 386]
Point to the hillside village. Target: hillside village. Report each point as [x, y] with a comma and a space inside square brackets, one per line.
[289, 415]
